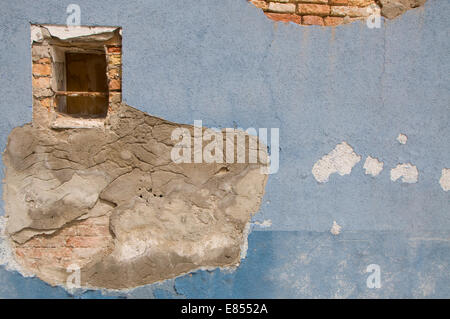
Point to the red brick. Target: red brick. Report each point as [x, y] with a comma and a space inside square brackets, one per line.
[312, 1]
[41, 82]
[114, 49]
[282, 7]
[114, 85]
[313, 20]
[284, 17]
[339, 2]
[42, 69]
[360, 3]
[314, 9]
[333, 21]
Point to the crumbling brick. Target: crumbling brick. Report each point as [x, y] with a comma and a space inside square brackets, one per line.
[282, 7]
[41, 82]
[114, 85]
[42, 69]
[114, 59]
[343, 11]
[260, 4]
[40, 93]
[114, 49]
[339, 2]
[314, 9]
[313, 20]
[114, 73]
[285, 17]
[331, 10]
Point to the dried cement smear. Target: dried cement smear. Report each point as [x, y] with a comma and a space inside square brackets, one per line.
[407, 172]
[373, 166]
[444, 181]
[340, 160]
[112, 202]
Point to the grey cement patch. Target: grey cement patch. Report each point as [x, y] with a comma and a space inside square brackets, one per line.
[113, 203]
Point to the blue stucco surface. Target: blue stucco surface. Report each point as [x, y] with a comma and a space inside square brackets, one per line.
[223, 62]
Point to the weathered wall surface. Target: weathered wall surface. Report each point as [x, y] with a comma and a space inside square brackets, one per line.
[321, 87]
[333, 12]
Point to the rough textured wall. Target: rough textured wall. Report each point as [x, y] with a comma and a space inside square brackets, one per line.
[332, 12]
[224, 62]
[113, 203]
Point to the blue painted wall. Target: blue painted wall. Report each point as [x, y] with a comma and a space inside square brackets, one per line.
[224, 62]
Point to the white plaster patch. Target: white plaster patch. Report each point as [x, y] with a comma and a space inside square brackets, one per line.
[407, 172]
[36, 34]
[340, 160]
[6, 253]
[244, 244]
[65, 32]
[373, 166]
[445, 179]
[335, 229]
[402, 138]
[68, 32]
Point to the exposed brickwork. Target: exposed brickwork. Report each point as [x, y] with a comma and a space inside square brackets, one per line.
[114, 71]
[284, 17]
[312, 20]
[76, 244]
[331, 12]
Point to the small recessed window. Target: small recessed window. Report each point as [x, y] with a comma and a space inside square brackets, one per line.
[86, 87]
[76, 75]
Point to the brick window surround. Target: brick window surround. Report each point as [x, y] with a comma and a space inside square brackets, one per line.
[76, 75]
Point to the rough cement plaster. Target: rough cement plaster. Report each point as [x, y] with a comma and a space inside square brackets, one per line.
[320, 86]
[164, 218]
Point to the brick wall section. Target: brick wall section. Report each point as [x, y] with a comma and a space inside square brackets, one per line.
[331, 12]
[43, 94]
[78, 244]
[315, 12]
[114, 74]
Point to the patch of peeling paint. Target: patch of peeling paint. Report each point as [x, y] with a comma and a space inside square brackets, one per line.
[373, 166]
[407, 172]
[340, 160]
[335, 229]
[444, 181]
[402, 138]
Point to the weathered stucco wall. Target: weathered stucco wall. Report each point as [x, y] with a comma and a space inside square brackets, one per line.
[225, 63]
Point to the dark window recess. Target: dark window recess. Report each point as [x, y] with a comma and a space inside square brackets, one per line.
[86, 87]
